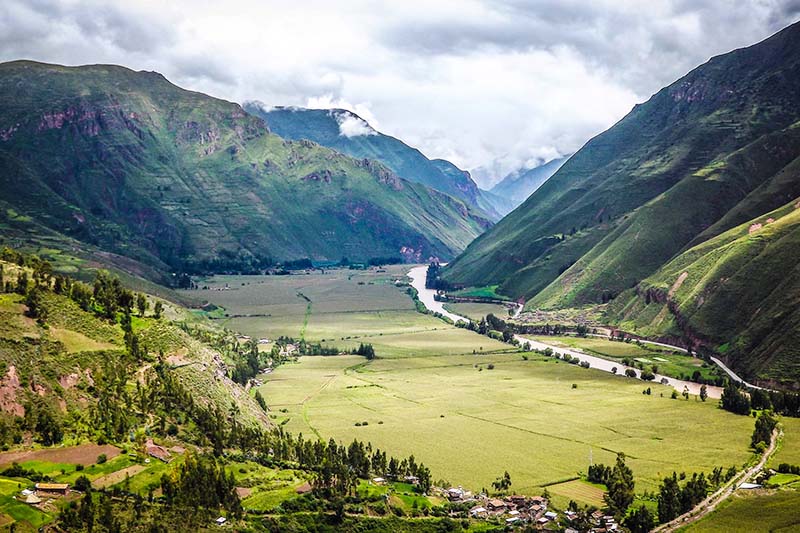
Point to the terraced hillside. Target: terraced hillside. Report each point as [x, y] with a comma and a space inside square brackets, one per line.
[704, 154]
[738, 294]
[716, 149]
[132, 164]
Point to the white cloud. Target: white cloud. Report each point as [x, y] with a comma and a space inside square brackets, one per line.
[488, 84]
[353, 126]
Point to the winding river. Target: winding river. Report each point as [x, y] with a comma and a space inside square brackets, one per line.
[426, 296]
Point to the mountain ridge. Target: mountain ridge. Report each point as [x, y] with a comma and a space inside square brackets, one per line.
[132, 163]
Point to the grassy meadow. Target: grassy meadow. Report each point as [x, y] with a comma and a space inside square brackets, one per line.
[465, 405]
[748, 511]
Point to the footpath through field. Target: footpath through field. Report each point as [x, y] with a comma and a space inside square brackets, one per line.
[426, 296]
[711, 503]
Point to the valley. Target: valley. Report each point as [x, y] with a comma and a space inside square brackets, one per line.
[524, 399]
[412, 271]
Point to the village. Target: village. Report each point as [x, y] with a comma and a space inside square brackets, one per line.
[515, 510]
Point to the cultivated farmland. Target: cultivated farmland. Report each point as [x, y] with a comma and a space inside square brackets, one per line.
[431, 391]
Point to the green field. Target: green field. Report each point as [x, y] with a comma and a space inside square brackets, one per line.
[789, 448]
[747, 512]
[477, 311]
[470, 425]
[670, 363]
[431, 392]
[578, 490]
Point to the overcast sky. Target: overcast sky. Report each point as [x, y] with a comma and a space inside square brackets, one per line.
[491, 85]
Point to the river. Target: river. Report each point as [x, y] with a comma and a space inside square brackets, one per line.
[426, 296]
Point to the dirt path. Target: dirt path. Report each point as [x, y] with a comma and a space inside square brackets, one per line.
[711, 503]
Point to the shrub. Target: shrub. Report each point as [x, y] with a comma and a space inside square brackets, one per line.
[102, 458]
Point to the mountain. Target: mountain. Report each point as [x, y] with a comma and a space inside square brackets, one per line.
[348, 133]
[716, 149]
[131, 164]
[737, 294]
[518, 185]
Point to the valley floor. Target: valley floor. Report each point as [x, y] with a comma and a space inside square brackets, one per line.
[431, 391]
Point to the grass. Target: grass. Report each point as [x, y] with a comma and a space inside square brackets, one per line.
[779, 480]
[670, 363]
[789, 447]
[488, 291]
[429, 395]
[522, 416]
[578, 490]
[17, 510]
[749, 511]
[269, 487]
[477, 311]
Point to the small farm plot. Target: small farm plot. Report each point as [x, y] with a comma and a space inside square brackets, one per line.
[578, 490]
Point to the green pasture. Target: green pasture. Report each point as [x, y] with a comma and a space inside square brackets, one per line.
[469, 423]
[747, 512]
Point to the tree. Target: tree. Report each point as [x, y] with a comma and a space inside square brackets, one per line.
[22, 283]
[142, 304]
[640, 521]
[82, 484]
[703, 392]
[34, 301]
[620, 487]
[502, 483]
[157, 310]
[734, 400]
[260, 400]
[669, 499]
[765, 424]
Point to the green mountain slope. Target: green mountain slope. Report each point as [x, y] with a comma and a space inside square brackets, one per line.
[130, 163]
[737, 294]
[346, 132]
[517, 186]
[704, 154]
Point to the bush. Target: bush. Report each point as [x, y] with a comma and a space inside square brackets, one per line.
[574, 385]
[631, 373]
[102, 458]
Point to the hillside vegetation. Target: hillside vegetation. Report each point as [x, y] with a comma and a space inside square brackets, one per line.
[714, 150]
[346, 132]
[129, 163]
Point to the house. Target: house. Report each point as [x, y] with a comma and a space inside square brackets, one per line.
[221, 520]
[159, 452]
[378, 480]
[517, 500]
[58, 489]
[412, 479]
[512, 520]
[263, 341]
[455, 494]
[550, 515]
[570, 515]
[749, 486]
[542, 520]
[513, 513]
[32, 499]
[496, 505]
[478, 511]
[27, 492]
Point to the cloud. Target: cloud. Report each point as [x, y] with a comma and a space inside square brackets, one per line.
[351, 125]
[491, 85]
